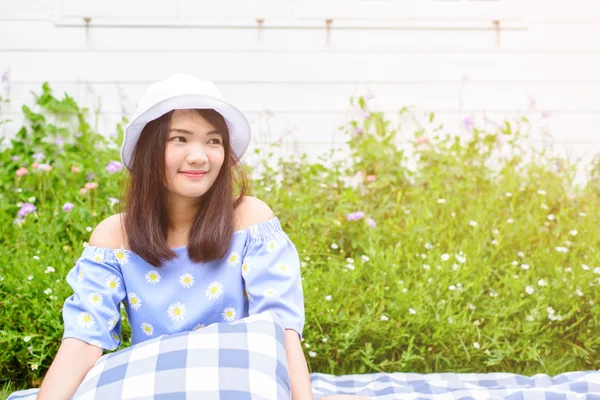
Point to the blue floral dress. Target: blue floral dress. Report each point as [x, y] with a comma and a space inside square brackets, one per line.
[261, 271]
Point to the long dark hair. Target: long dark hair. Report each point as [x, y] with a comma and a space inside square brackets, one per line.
[146, 219]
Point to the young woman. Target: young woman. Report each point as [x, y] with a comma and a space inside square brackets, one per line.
[185, 253]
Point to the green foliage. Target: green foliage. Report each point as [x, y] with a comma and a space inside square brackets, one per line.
[480, 257]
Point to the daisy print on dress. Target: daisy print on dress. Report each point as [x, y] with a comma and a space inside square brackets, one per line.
[233, 259]
[116, 337]
[80, 276]
[271, 246]
[113, 282]
[96, 298]
[229, 314]
[187, 280]
[112, 322]
[85, 320]
[197, 327]
[147, 328]
[98, 258]
[270, 292]
[214, 290]
[176, 311]
[121, 255]
[245, 268]
[254, 231]
[283, 267]
[152, 277]
[134, 300]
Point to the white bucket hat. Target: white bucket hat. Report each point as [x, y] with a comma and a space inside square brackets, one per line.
[182, 91]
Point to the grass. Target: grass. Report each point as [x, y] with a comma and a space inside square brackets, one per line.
[445, 255]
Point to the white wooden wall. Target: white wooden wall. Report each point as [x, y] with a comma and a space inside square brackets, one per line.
[294, 77]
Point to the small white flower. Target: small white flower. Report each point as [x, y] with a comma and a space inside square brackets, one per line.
[568, 269]
[542, 282]
[34, 367]
[350, 266]
[441, 201]
[152, 277]
[495, 232]
[365, 258]
[510, 220]
[530, 318]
[562, 249]
[187, 280]
[85, 320]
[472, 307]
[426, 267]
[134, 301]
[521, 254]
[96, 298]
[214, 290]
[545, 207]
[573, 232]
[472, 223]
[445, 257]
[229, 314]
[550, 310]
[460, 258]
[579, 292]
[328, 297]
[476, 345]
[48, 291]
[541, 192]
[26, 339]
[233, 259]
[585, 267]
[350, 260]
[596, 270]
[525, 266]
[529, 290]
[384, 318]
[334, 246]
[450, 320]
[428, 246]
[49, 269]
[176, 311]
[412, 311]
[36, 257]
[29, 277]
[113, 282]
[550, 217]
[582, 214]
[324, 340]
[312, 354]
[494, 242]
[508, 194]
[147, 328]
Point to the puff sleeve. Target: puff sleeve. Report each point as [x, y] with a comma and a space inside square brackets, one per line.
[271, 274]
[92, 312]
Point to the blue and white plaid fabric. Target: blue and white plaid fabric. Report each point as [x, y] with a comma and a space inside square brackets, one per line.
[244, 359]
[466, 386]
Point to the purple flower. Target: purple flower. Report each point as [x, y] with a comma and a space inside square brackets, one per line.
[371, 223]
[26, 209]
[18, 220]
[38, 156]
[355, 216]
[14, 158]
[68, 207]
[78, 134]
[90, 176]
[60, 141]
[112, 200]
[357, 132]
[545, 114]
[114, 166]
[113, 134]
[369, 96]
[469, 123]
[365, 114]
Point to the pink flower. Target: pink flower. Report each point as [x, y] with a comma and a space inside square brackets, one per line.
[421, 140]
[571, 196]
[34, 165]
[83, 190]
[21, 171]
[75, 169]
[46, 167]
[91, 185]
[68, 206]
[469, 123]
[371, 178]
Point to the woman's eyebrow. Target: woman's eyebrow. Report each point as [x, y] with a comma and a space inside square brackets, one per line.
[186, 132]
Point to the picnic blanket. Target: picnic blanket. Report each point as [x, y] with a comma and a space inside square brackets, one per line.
[583, 385]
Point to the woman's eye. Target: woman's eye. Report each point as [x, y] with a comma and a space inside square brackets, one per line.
[218, 140]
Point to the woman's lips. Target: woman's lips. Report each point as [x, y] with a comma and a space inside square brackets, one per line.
[196, 176]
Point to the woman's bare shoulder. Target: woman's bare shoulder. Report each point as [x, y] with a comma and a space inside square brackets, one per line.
[109, 233]
[252, 211]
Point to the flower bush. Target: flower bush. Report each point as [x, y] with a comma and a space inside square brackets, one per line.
[473, 254]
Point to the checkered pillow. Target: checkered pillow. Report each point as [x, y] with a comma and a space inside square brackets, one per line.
[244, 359]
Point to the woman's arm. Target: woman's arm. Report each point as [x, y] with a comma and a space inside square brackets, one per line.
[299, 377]
[72, 362]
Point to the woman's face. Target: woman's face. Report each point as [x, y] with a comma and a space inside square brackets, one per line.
[193, 144]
